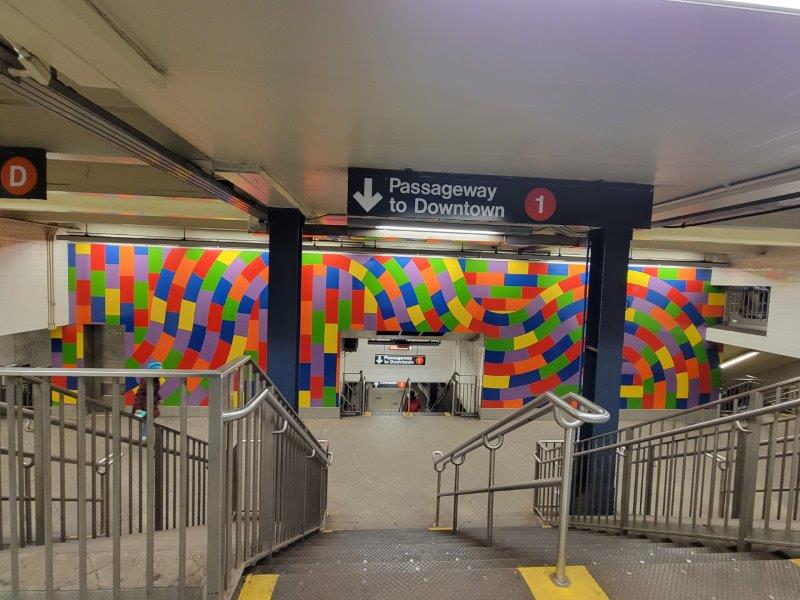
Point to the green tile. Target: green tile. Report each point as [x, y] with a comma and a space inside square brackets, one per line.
[155, 261]
[476, 265]
[318, 326]
[312, 258]
[345, 314]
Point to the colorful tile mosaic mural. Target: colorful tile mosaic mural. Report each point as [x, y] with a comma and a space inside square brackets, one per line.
[196, 308]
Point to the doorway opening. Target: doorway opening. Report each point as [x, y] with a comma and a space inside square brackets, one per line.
[388, 373]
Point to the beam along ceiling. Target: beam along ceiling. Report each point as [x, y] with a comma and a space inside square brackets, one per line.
[685, 96]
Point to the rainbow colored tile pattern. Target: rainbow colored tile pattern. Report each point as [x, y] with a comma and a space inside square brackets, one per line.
[197, 308]
[531, 315]
[184, 307]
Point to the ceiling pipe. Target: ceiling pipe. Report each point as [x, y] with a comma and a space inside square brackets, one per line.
[58, 98]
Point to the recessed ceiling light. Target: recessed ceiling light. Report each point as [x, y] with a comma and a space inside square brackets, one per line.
[737, 359]
[781, 6]
[437, 230]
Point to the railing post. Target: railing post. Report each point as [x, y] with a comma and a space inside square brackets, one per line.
[745, 478]
[158, 448]
[648, 474]
[560, 578]
[267, 477]
[438, 499]
[455, 496]
[216, 539]
[41, 427]
[625, 492]
[490, 499]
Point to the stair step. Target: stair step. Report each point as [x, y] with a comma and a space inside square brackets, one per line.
[446, 585]
[534, 555]
[773, 579]
[411, 566]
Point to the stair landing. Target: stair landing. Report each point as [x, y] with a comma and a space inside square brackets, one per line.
[423, 565]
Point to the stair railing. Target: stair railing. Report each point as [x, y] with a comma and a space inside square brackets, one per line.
[405, 401]
[728, 470]
[354, 396]
[569, 411]
[259, 483]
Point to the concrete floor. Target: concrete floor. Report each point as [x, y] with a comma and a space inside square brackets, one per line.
[383, 476]
[385, 399]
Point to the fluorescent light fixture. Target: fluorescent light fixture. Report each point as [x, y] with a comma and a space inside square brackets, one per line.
[737, 359]
[781, 6]
[437, 230]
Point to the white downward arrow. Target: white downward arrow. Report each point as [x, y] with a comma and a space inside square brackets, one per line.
[367, 200]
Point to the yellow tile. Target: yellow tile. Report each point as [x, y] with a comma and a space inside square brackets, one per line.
[517, 267]
[370, 305]
[582, 584]
[496, 382]
[415, 312]
[330, 338]
[716, 298]
[228, 256]
[158, 310]
[258, 587]
[796, 561]
[631, 391]
[665, 358]
[638, 278]
[357, 270]
[551, 293]
[525, 340]
[304, 399]
[186, 315]
[693, 335]
[682, 385]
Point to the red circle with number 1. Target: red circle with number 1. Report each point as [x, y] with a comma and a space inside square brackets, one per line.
[540, 204]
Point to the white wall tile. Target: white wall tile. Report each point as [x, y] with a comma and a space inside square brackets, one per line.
[23, 279]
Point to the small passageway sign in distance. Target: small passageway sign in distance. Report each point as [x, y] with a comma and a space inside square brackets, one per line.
[455, 197]
[23, 173]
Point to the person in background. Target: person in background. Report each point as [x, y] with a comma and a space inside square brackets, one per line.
[140, 400]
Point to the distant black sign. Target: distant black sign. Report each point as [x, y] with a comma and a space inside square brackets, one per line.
[23, 173]
[403, 360]
[417, 195]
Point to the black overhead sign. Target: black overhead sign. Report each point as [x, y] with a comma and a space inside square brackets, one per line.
[405, 360]
[23, 173]
[418, 195]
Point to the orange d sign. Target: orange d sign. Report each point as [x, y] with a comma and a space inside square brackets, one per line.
[23, 173]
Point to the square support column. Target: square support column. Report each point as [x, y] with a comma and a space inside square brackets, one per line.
[283, 317]
[602, 360]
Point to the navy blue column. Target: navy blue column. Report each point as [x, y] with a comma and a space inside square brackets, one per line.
[602, 360]
[283, 319]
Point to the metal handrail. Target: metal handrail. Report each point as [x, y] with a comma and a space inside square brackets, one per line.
[288, 417]
[734, 418]
[640, 491]
[220, 373]
[568, 417]
[249, 490]
[708, 405]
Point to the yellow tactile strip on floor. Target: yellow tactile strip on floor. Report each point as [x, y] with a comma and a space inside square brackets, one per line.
[582, 584]
[258, 587]
[796, 561]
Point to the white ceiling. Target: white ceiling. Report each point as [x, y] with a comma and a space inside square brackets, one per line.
[687, 97]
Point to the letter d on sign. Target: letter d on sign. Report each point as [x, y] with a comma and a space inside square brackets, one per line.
[18, 176]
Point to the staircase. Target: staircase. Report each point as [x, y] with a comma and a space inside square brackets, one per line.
[439, 565]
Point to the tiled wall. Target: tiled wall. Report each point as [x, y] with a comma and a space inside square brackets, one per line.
[197, 308]
[530, 314]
